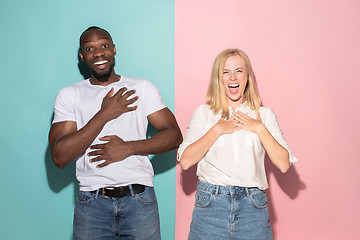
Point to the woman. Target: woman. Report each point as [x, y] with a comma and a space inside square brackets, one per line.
[228, 138]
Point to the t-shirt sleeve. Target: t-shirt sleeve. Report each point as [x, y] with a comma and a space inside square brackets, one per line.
[272, 125]
[194, 131]
[64, 106]
[152, 99]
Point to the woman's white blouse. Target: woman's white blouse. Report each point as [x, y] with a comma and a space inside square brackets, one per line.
[235, 159]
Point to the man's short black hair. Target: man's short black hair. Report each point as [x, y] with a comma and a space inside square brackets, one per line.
[93, 28]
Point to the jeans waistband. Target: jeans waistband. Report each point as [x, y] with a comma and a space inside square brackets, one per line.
[219, 189]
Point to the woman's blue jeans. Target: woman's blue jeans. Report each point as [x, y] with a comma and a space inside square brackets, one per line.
[131, 217]
[230, 212]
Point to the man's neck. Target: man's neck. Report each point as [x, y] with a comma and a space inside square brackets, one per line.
[105, 80]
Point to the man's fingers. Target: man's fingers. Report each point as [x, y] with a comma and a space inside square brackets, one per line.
[129, 109]
[120, 92]
[97, 146]
[110, 93]
[132, 100]
[96, 159]
[95, 153]
[129, 93]
[106, 138]
[103, 164]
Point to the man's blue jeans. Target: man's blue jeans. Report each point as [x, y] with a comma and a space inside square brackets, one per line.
[230, 212]
[130, 217]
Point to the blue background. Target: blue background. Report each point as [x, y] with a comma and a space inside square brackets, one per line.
[39, 43]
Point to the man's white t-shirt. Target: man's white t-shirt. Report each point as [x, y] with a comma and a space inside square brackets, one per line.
[79, 102]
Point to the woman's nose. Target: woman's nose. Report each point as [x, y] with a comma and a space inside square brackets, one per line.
[233, 76]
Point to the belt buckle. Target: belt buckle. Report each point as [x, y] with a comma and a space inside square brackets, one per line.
[104, 192]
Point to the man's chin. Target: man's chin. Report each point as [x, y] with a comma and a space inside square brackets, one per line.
[102, 76]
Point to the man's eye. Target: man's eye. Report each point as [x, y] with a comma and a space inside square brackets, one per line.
[88, 48]
[239, 70]
[105, 45]
[225, 72]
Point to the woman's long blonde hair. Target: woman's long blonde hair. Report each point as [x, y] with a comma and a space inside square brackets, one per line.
[216, 97]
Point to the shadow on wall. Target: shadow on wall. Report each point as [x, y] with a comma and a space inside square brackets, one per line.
[83, 68]
[189, 180]
[161, 162]
[57, 178]
[289, 182]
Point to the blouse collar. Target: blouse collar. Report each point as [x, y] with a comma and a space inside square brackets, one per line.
[242, 108]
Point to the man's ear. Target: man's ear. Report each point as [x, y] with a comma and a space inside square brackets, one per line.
[114, 50]
[81, 56]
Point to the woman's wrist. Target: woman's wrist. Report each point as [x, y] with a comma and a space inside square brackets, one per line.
[260, 128]
[217, 129]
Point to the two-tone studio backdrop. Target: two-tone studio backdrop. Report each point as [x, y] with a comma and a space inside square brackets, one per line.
[305, 57]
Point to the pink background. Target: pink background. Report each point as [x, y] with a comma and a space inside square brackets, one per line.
[305, 55]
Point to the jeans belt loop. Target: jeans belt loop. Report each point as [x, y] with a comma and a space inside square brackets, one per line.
[217, 190]
[131, 190]
[247, 191]
[97, 193]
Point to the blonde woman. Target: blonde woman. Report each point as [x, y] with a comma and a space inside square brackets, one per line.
[227, 139]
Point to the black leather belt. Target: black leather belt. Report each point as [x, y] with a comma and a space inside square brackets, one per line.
[120, 191]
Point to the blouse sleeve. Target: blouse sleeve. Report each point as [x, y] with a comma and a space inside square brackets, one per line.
[272, 125]
[194, 131]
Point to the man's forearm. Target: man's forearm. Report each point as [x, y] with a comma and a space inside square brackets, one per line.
[164, 141]
[67, 148]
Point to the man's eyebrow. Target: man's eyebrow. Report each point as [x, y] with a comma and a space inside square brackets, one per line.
[102, 38]
[86, 42]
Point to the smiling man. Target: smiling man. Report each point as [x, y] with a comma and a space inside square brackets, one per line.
[101, 123]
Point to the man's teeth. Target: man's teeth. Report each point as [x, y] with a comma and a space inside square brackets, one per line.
[233, 85]
[100, 62]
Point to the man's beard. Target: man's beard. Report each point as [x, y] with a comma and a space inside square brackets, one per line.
[103, 77]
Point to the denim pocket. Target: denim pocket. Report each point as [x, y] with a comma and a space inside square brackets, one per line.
[202, 199]
[147, 197]
[258, 198]
[85, 197]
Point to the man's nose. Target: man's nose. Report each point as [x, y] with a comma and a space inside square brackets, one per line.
[98, 52]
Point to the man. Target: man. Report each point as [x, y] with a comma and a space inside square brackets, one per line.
[101, 123]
